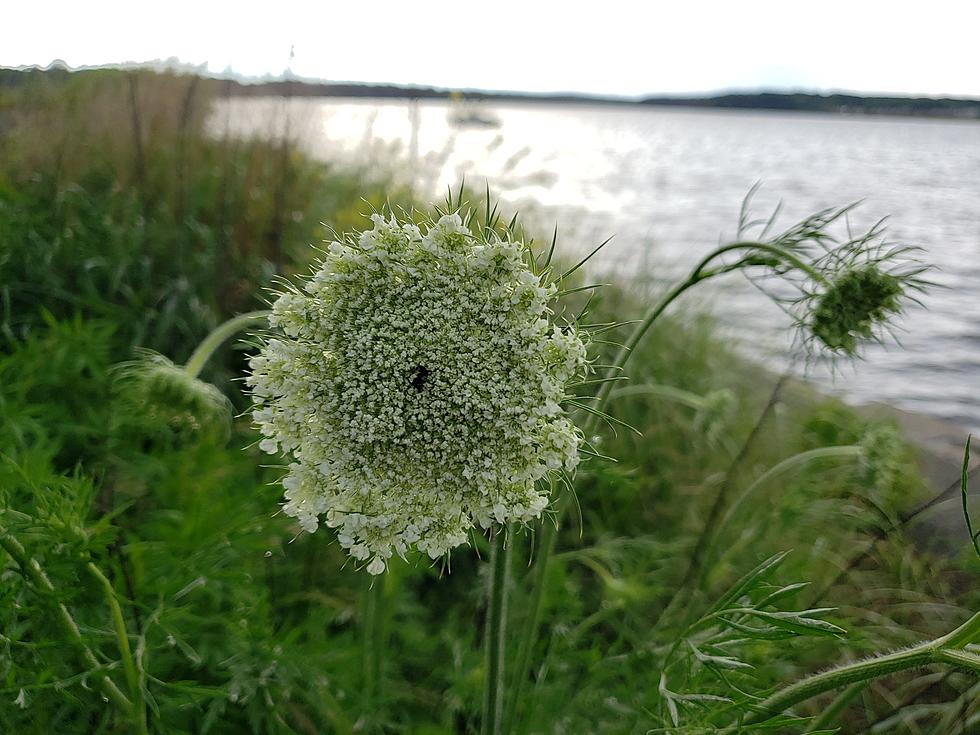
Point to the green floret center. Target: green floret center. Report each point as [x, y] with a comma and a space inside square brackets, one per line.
[854, 305]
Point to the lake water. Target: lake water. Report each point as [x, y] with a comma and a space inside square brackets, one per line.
[668, 183]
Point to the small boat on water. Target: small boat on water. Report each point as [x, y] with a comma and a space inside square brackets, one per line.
[470, 113]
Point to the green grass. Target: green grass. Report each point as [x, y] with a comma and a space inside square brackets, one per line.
[240, 623]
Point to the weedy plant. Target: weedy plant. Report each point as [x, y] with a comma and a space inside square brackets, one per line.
[435, 381]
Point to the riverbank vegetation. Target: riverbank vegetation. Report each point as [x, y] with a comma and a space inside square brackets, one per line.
[147, 582]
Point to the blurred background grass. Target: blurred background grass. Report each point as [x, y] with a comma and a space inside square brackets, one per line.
[123, 225]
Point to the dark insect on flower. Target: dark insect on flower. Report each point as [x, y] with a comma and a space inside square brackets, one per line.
[421, 376]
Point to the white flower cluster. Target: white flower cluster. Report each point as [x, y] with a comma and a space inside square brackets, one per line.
[418, 387]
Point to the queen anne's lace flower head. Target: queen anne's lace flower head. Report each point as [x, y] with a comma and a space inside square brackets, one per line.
[417, 384]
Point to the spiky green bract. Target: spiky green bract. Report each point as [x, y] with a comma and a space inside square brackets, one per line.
[417, 385]
[154, 396]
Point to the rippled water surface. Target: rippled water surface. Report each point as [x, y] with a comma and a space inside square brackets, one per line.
[669, 182]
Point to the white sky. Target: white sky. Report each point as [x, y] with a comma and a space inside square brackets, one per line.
[599, 46]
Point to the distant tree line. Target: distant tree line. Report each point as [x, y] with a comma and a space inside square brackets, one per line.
[841, 103]
[790, 101]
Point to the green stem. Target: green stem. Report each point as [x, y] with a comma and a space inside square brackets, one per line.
[963, 636]
[125, 652]
[829, 680]
[779, 252]
[32, 570]
[522, 667]
[378, 645]
[219, 334]
[372, 645]
[626, 351]
[945, 650]
[496, 635]
[696, 276]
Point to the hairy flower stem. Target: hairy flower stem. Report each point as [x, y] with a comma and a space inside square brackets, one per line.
[32, 570]
[774, 250]
[217, 337]
[125, 652]
[698, 275]
[496, 635]
[522, 664]
[945, 650]
[372, 648]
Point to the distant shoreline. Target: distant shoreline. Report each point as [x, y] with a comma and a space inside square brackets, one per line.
[945, 107]
[785, 101]
[831, 103]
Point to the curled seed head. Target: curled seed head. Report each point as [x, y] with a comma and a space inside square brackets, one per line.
[152, 396]
[856, 303]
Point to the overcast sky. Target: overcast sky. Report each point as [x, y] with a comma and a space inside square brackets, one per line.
[600, 46]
